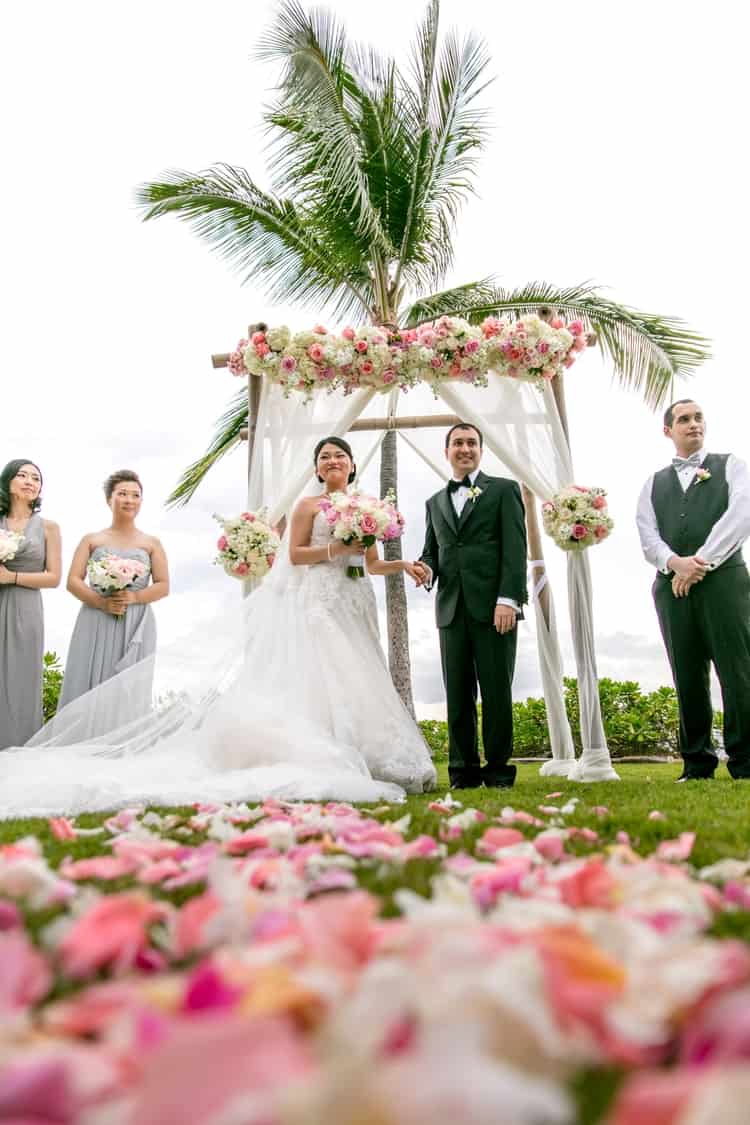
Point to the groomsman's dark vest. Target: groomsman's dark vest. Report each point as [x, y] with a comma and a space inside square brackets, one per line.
[685, 519]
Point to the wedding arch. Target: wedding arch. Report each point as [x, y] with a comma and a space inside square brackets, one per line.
[524, 426]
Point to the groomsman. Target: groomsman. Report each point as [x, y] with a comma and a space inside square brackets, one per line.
[693, 518]
[475, 549]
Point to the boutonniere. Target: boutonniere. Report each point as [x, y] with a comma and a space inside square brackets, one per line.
[702, 474]
[475, 492]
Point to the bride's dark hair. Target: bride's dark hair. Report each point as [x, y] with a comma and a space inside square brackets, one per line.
[340, 443]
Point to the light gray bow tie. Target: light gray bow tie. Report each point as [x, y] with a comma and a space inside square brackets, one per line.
[693, 461]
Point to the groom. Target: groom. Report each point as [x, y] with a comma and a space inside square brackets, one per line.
[693, 518]
[475, 549]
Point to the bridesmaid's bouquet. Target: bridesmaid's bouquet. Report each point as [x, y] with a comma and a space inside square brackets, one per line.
[111, 573]
[248, 545]
[577, 517]
[366, 519]
[10, 541]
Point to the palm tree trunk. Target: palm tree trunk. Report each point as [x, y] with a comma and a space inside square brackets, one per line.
[395, 588]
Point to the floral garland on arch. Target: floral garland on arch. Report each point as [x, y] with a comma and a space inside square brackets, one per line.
[529, 348]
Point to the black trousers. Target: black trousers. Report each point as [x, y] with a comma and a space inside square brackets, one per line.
[474, 654]
[710, 626]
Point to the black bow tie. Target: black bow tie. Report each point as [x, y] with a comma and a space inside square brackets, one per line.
[454, 484]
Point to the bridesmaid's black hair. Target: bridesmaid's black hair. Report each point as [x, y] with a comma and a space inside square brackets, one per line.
[340, 443]
[10, 471]
[120, 477]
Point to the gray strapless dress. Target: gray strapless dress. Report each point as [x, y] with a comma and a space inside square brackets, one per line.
[103, 645]
[22, 643]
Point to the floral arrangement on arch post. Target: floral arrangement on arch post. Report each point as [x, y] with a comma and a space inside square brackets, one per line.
[247, 546]
[531, 348]
[577, 517]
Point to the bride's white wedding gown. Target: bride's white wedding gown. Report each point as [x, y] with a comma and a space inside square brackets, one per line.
[309, 712]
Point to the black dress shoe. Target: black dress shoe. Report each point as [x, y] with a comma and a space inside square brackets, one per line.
[465, 780]
[694, 777]
[494, 779]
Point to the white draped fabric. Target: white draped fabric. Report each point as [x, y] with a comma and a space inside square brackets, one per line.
[522, 428]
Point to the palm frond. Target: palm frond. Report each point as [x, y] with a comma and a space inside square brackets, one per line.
[444, 168]
[226, 437]
[268, 239]
[461, 300]
[315, 90]
[648, 351]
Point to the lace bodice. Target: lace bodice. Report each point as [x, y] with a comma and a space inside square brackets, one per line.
[328, 582]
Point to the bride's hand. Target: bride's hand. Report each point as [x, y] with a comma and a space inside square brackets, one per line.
[415, 571]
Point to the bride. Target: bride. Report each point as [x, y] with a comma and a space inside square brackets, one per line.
[288, 697]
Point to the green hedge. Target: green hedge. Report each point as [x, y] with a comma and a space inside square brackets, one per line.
[635, 722]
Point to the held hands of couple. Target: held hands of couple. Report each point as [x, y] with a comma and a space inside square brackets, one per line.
[687, 571]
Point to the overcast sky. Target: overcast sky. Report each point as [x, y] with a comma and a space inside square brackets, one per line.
[618, 155]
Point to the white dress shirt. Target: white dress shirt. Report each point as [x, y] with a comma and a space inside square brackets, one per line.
[726, 536]
[458, 499]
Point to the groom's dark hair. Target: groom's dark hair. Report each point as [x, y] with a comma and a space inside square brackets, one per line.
[464, 426]
[669, 412]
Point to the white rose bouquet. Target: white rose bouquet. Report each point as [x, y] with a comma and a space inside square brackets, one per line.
[247, 546]
[10, 541]
[577, 517]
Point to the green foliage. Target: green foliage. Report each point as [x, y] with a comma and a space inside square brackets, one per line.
[634, 722]
[52, 681]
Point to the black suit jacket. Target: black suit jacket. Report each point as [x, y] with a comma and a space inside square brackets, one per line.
[481, 555]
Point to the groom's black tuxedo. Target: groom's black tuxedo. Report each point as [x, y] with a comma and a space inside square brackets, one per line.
[475, 559]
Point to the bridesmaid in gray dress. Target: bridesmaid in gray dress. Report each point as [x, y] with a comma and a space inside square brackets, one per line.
[36, 566]
[114, 630]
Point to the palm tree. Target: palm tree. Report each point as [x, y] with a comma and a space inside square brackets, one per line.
[370, 165]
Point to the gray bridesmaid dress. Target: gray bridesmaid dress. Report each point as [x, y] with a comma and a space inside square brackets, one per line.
[22, 642]
[103, 645]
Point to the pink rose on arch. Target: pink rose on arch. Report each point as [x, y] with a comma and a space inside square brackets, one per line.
[262, 349]
[542, 347]
[241, 568]
[222, 543]
[367, 367]
[575, 327]
[579, 344]
[598, 502]
[248, 516]
[436, 362]
[368, 524]
[471, 346]
[288, 363]
[579, 531]
[319, 330]
[491, 327]
[427, 337]
[258, 337]
[361, 346]
[388, 375]
[409, 335]
[557, 322]
[348, 333]
[454, 369]
[315, 352]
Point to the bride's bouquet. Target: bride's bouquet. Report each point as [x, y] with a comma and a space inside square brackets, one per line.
[248, 545]
[577, 517]
[363, 518]
[111, 573]
[10, 541]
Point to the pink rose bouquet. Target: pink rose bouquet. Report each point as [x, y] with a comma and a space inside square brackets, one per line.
[365, 519]
[577, 517]
[247, 546]
[108, 574]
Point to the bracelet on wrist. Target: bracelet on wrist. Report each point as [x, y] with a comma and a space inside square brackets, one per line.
[328, 551]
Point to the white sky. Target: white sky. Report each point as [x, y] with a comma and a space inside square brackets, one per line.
[618, 156]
